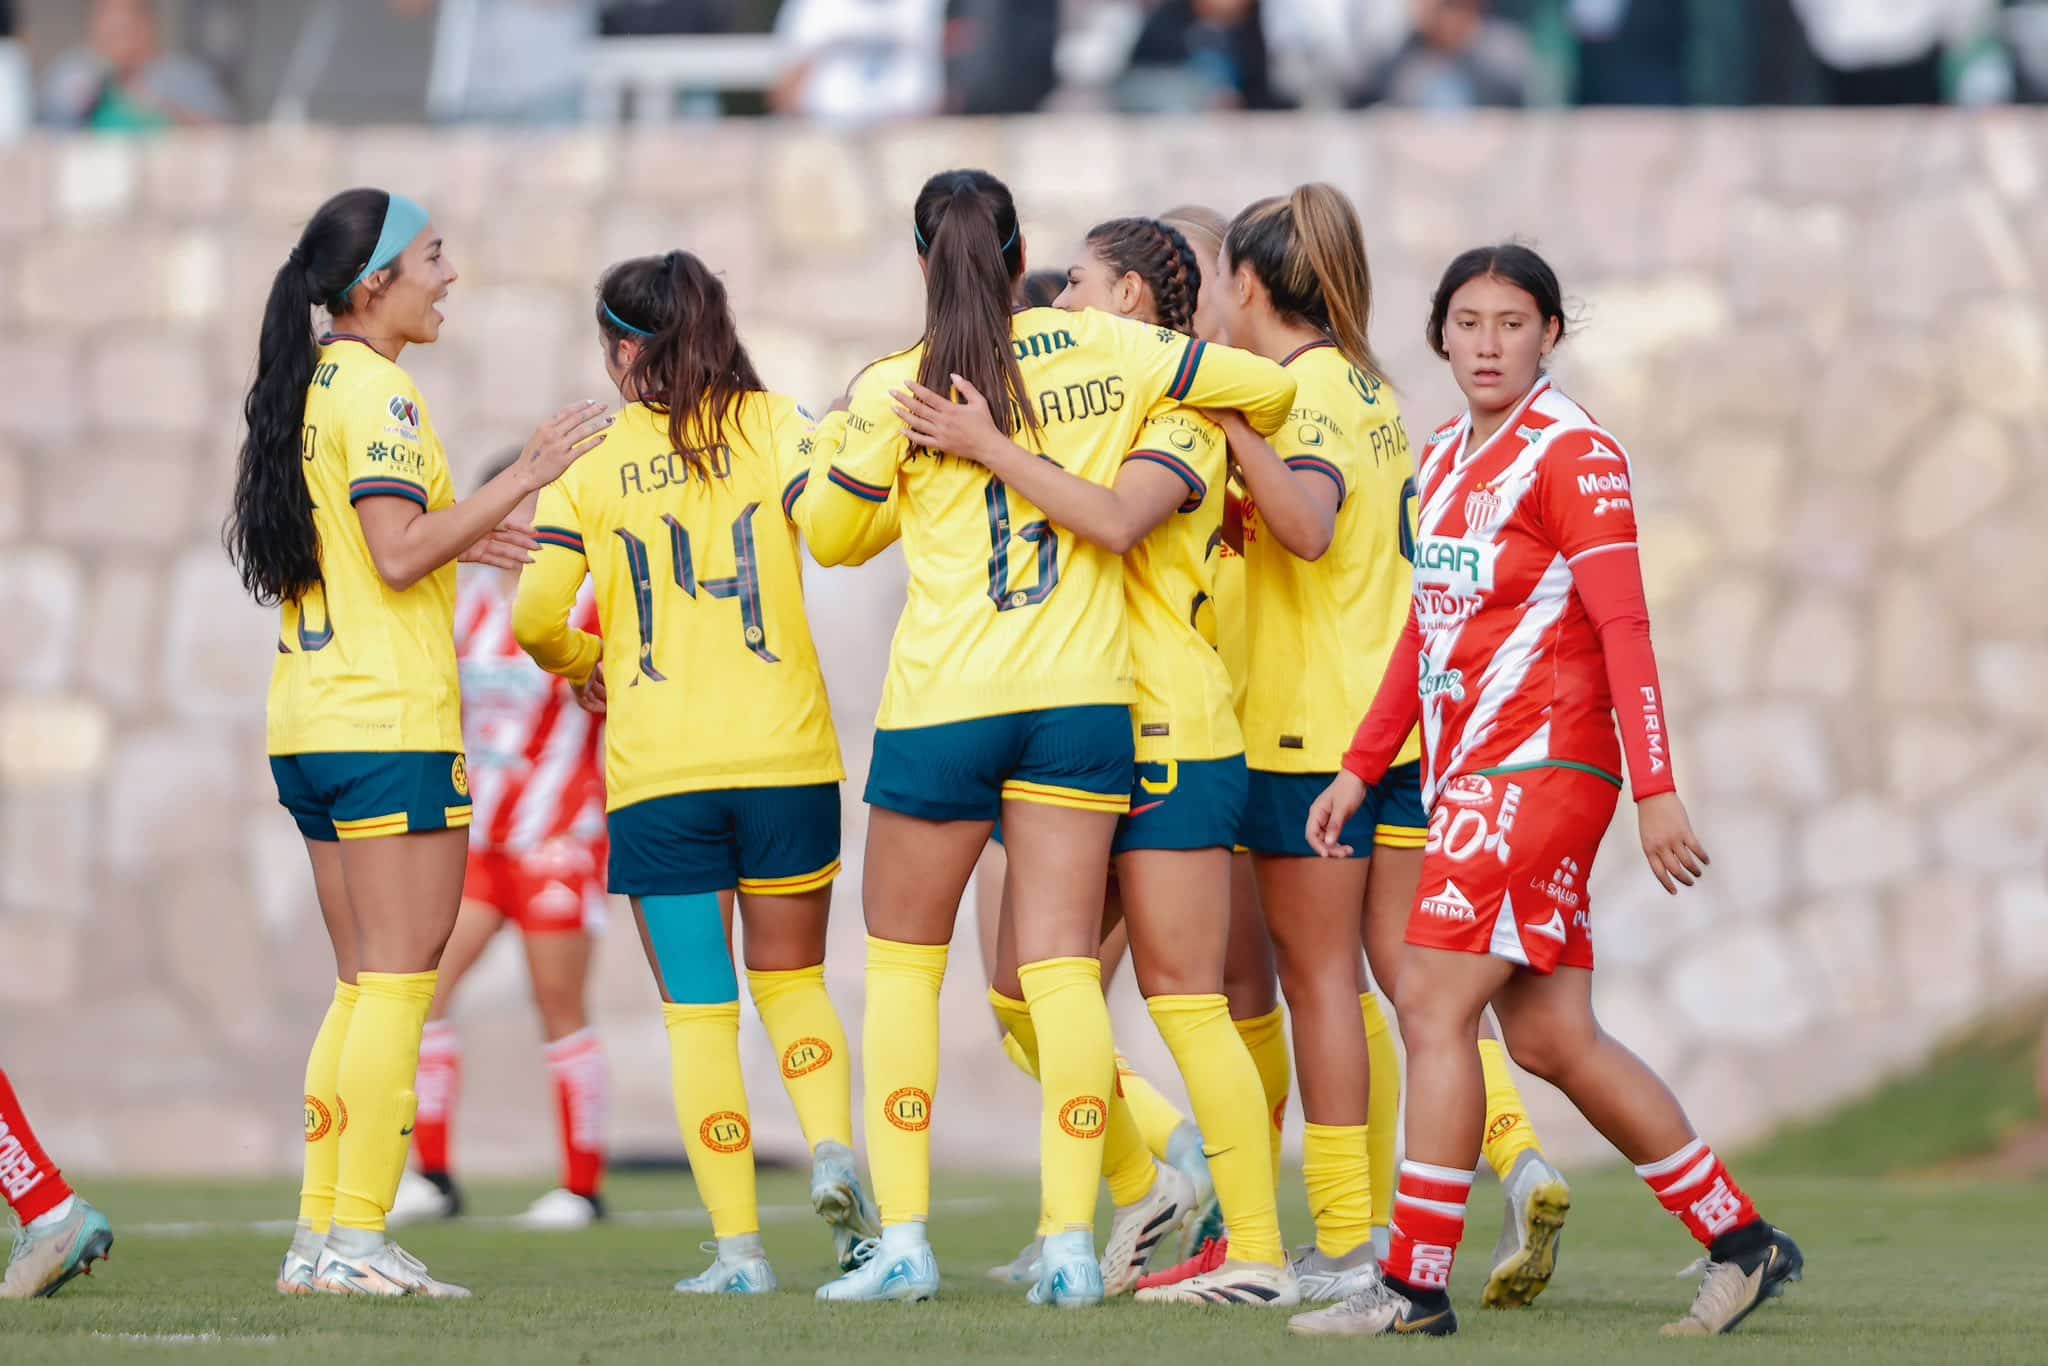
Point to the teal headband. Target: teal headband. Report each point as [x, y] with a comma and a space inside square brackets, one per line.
[404, 220]
[621, 323]
[924, 246]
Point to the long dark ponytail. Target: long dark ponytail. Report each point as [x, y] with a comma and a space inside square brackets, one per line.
[1158, 254]
[269, 534]
[965, 224]
[692, 365]
[1309, 251]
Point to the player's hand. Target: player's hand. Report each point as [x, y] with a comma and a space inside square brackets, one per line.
[1669, 844]
[558, 442]
[590, 696]
[965, 429]
[506, 546]
[1332, 810]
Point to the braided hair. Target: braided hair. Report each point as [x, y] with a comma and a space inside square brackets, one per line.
[1157, 254]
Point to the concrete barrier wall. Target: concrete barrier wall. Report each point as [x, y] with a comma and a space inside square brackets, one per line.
[1820, 334]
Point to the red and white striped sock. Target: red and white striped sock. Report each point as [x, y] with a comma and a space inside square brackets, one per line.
[1429, 1219]
[28, 1178]
[1695, 1186]
[582, 1085]
[438, 1083]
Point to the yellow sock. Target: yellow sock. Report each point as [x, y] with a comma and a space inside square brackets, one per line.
[1155, 1115]
[1229, 1102]
[1265, 1038]
[711, 1110]
[1018, 1034]
[1126, 1163]
[1509, 1133]
[900, 1056]
[809, 1039]
[1077, 1067]
[373, 1097]
[1335, 1171]
[323, 1131]
[1382, 1107]
[1014, 1051]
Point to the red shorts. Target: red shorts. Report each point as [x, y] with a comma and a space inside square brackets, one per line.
[1505, 868]
[554, 889]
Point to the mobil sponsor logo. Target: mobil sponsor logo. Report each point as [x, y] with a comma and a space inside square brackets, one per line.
[1603, 481]
[1455, 563]
[1439, 609]
[1449, 904]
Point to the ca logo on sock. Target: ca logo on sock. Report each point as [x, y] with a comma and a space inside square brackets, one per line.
[318, 1120]
[725, 1132]
[909, 1108]
[1085, 1116]
[804, 1057]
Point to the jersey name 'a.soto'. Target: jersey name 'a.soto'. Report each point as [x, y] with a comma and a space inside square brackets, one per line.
[362, 667]
[711, 675]
[1007, 612]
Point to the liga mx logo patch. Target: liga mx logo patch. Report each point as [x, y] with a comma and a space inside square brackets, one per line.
[804, 1057]
[405, 413]
[1084, 1116]
[725, 1132]
[318, 1120]
[909, 1108]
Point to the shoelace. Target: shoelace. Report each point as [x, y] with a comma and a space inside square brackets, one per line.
[864, 1251]
[1378, 1295]
[1699, 1266]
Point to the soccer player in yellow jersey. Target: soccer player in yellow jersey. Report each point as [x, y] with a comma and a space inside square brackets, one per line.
[344, 516]
[1164, 514]
[721, 763]
[1008, 692]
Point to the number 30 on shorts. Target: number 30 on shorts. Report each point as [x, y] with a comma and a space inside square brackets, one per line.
[1459, 831]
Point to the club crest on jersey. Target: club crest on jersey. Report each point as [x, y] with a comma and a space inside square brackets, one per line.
[1482, 510]
[406, 413]
[1181, 439]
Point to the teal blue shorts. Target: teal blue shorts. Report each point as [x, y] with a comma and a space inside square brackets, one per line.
[1078, 757]
[351, 796]
[771, 841]
[1184, 804]
[1277, 805]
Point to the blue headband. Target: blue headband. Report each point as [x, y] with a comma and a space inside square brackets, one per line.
[924, 246]
[621, 323]
[404, 220]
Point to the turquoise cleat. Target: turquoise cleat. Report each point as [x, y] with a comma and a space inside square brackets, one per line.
[1069, 1276]
[837, 1196]
[45, 1259]
[908, 1272]
[741, 1269]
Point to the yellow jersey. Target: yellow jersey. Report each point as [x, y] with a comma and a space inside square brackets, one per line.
[711, 677]
[1320, 632]
[1006, 612]
[360, 665]
[1184, 708]
[1226, 609]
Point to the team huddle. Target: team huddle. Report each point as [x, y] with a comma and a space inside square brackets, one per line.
[1228, 671]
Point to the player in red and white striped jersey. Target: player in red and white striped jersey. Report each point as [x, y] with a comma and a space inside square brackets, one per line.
[1527, 637]
[536, 860]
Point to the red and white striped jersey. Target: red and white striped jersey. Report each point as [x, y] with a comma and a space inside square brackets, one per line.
[1512, 671]
[536, 770]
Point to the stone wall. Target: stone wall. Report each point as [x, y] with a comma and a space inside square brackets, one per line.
[1821, 335]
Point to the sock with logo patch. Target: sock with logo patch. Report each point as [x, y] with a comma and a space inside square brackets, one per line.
[1077, 1070]
[29, 1180]
[582, 1084]
[440, 1080]
[900, 1058]
[1337, 1176]
[811, 1043]
[1265, 1038]
[1126, 1163]
[1382, 1106]
[711, 1110]
[373, 1089]
[1694, 1185]
[1229, 1104]
[1157, 1117]
[1509, 1133]
[323, 1121]
[1429, 1220]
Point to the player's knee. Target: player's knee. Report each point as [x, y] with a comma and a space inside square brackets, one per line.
[1544, 1049]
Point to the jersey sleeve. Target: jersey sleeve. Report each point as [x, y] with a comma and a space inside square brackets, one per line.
[1395, 709]
[548, 589]
[846, 508]
[1584, 504]
[384, 446]
[1186, 444]
[1201, 375]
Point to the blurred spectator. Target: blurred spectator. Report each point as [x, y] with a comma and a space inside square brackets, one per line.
[123, 81]
[634, 18]
[856, 62]
[1907, 51]
[17, 86]
[999, 55]
[1194, 55]
[1322, 52]
[506, 61]
[1630, 51]
[1456, 56]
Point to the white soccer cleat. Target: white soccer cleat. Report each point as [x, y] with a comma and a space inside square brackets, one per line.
[1021, 1269]
[1136, 1230]
[739, 1267]
[350, 1265]
[420, 1199]
[1525, 1258]
[560, 1211]
[45, 1259]
[1324, 1278]
[295, 1276]
[837, 1196]
[1377, 1311]
[1251, 1283]
[908, 1272]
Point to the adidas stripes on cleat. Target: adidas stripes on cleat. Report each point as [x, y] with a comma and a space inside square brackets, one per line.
[1137, 1230]
[1251, 1283]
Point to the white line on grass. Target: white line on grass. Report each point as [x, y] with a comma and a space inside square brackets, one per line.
[185, 1339]
[639, 1218]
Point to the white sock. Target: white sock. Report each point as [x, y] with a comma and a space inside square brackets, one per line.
[56, 1215]
[903, 1237]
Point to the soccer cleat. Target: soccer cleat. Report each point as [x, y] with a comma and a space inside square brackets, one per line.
[423, 1196]
[1186, 1151]
[1379, 1311]
[1021, 1269]
[295, 1276]
[46, 1258]
[837, 1196]
[743, 1271]
[1212, 1254]
[352, 1264]
[1732, 1289]
[1251, 1283]
[1333, 1278]
[910, 1274]
[561, 1211]
[1069, 1277]
[1526, 1256]
[1137, 1229]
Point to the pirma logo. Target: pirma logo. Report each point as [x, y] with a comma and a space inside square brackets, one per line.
[1085, 1116]
[804, 1057]
[725, 1132]
[909, 1108]
[1449, 904]
[318, 1120]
